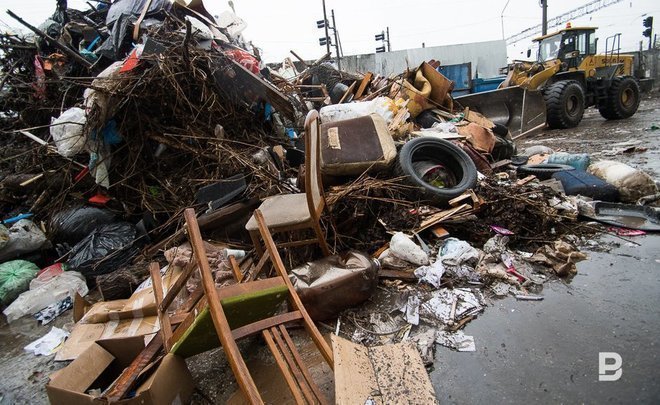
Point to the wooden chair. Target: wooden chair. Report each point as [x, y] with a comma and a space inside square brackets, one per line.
[292, 212]
[228, 314]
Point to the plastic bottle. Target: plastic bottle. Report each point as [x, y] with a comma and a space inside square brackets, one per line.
[579, 161]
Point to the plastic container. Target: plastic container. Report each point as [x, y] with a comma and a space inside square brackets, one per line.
[579, 161]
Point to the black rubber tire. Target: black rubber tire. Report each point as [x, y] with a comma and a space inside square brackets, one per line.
[564, 103]
[622, 99]
[542, 171]
[445, 152]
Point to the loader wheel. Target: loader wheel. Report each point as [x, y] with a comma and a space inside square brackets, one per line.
[622, 99]
[564, 103]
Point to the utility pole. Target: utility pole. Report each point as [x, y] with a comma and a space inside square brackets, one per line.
[544, 18]
[389, 47]
[334, 29]
[327, 38]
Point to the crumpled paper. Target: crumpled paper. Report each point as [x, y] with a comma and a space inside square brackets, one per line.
[48, 344]
[561, 257]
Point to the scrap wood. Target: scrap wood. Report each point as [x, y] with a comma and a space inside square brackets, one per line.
[363, 85]
[441, 216]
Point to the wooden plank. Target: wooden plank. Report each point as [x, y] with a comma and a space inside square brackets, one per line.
[389, 374]
[355, 378]
[348, 91]
[163, 317]
[256, 327]
[229, 346]
[288, 377]
[294, 299]
[441, 216]
[363, 85]
[122, 385]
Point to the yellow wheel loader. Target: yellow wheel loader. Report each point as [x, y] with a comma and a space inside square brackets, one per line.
[572, 77]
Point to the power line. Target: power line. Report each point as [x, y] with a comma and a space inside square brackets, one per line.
[561, 19]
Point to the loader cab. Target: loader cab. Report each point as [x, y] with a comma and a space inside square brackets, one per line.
[570, 45]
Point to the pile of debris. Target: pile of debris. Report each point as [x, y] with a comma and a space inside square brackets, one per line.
[119, 118]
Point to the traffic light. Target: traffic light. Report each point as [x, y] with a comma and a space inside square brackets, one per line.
[648, 24]
[320, 23]
[380, 49]
[380, 37]
[323, 41]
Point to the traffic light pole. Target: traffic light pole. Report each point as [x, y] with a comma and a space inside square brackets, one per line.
[544, 17]
[327, 37]
[389, 48]
[334, 29]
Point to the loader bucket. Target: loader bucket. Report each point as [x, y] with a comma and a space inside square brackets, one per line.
[518, 109]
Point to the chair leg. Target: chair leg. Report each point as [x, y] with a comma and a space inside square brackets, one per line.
[254, 235]
[321, 238]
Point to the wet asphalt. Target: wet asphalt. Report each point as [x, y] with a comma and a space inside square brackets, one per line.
[548, 351]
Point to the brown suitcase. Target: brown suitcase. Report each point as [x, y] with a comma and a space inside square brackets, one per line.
[350, 147]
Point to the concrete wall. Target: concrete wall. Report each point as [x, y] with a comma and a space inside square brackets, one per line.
[486, 57]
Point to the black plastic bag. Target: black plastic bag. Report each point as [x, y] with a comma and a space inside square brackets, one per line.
[74, 224]
[105, 250]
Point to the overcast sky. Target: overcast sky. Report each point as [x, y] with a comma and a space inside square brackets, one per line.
[278, 26]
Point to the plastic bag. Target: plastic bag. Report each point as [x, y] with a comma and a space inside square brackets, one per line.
[631, 183]
[43, 294]
[24, 237]
[334, 283]
[15, 278]
[67, 131]
[73, 224]
[403, 248]
[383, 106]
[104, 250]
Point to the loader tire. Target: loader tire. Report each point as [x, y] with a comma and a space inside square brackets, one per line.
[622, 99]
[443, 152]
[564, 103]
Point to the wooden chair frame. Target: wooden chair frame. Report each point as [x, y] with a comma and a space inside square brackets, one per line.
[313, 190]
[272, 329]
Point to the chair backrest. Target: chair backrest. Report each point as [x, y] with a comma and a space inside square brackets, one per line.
[313, 184]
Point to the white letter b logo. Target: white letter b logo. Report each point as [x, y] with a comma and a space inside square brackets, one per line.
[604, 367]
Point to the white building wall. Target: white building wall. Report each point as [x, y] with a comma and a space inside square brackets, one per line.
[486, 58]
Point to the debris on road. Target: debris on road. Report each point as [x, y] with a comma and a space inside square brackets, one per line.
[121, 118]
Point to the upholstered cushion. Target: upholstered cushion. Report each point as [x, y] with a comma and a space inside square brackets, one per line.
[282, 210]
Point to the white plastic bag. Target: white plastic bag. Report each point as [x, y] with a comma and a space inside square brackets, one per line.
[383, 106]
[67, 132]
[631, 183]
[43, 294]
[403, 248]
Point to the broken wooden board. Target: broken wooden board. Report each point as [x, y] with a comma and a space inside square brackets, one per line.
[441, 216]
[363, 85]
[389, 374]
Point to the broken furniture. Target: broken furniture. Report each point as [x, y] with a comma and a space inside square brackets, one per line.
[293, 212]
[246, 309]
[351, 147]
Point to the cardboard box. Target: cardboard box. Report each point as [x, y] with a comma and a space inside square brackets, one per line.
[84, 335]
[98, 367]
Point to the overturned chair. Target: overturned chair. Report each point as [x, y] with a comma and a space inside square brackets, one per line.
[222, 316]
